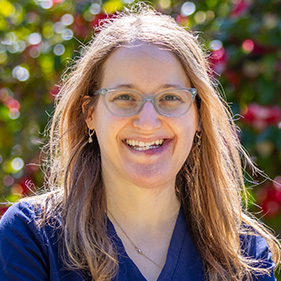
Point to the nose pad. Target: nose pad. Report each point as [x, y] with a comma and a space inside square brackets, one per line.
[148, 117]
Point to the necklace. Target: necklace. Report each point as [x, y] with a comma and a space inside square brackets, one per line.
[139, 251]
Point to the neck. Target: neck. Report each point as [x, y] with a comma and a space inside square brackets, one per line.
[141, 207]
[144, 219]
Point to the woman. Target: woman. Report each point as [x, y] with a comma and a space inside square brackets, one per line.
[145, 170]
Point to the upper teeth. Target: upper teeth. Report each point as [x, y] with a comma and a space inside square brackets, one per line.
[144, 144]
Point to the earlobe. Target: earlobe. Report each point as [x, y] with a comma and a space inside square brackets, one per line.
[199, 126]
[89, 122]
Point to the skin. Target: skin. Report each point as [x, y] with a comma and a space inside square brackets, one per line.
[140, 185]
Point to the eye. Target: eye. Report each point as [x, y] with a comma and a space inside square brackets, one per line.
[125, 97]
[121, 96]
[171, 97]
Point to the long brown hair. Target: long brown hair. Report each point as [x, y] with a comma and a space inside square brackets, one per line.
[209, 184]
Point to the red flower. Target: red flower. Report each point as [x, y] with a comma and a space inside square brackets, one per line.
[81, 27]
[98, 18]
[269, 198]
[233, 77]
[240, 8]
[54, 91]
[182, 20]
[262, 116]
[27, 186]
[3, 210]
[218, 60]
[11, 103]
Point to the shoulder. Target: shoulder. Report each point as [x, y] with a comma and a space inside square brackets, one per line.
[254, 247]
[36, 209]
[24, 222]
[252, 244]
[30, 214]
[26, 244]
[20, 211]
[20, 222]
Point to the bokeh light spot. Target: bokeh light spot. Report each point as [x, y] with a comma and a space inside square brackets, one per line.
[200, 17]
[14, 113]
[46, 4]
[95, 8]
[17, 189]
[17, 163]
[34, 38]
[8, 180]
[21, 45]
[165, 4]
[111, 6]
[32, 17]
[216, 45]
[58, 27]
[9, 38]
[59, 49]
[67, 34]
[67, 19]
[248, 45]
[20, 73]
[7, 8]
[210, 15]
[3, 58]
[34, 52]
[13, 48]
[13, 104]
[188, 8]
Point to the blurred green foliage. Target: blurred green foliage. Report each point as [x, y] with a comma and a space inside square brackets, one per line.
[39, 38]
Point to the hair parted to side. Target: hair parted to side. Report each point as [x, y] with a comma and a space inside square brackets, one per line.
[209, 193]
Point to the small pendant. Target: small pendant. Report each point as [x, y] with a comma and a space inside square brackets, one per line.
[139, 250]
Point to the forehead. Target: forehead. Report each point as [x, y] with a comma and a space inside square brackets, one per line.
[143, 64]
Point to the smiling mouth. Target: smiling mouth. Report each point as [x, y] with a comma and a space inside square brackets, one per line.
[143, 146]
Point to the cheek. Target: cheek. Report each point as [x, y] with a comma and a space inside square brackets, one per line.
[186, 134]
[107, 128]
[101, 118]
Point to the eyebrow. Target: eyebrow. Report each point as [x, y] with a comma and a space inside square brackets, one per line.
[129, 86]
[164, 86]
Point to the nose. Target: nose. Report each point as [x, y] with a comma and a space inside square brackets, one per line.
[148, 118]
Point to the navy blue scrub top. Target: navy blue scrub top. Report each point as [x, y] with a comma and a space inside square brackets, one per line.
[31, 253]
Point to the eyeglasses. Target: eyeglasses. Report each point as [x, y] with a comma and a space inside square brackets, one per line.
[126, 102]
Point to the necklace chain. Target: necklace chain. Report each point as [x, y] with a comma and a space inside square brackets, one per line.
[139, 250]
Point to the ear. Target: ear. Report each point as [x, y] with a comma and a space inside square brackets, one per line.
[88, 111]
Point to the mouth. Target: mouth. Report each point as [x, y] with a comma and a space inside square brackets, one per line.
[144, 146]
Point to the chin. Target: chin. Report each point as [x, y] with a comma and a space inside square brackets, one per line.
[150, 179]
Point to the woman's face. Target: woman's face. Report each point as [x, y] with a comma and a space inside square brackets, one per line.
[148, 70]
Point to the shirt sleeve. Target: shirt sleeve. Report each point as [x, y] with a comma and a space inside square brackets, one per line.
[22, 248]
[256, 248]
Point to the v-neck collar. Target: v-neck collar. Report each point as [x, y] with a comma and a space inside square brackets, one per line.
[175, 247]
[182, 258]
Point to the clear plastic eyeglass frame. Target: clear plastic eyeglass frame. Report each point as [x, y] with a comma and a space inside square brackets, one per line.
[143, 99]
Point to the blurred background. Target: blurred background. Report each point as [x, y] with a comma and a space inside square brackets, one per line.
[40, 38]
